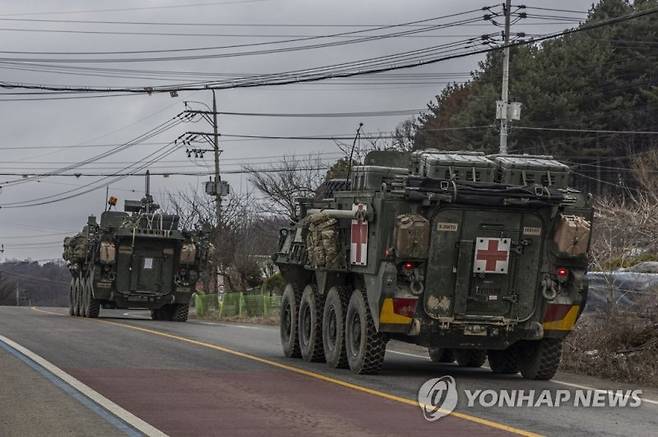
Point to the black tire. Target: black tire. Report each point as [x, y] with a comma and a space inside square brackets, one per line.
[180, 312]
[288, 323]
[333, 328]
[470, 357]
[71, 298]
[441, 355]
[504, 361]
[93, 305]
[84, 309]
[365, 346]
[94, 308]
[77, 298]
[541, 359]
[310, 325]
[166, 312]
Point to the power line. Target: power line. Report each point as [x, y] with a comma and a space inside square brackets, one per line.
[325, 114]
[399, 61]
[142, 8]
[556, 10]
[597, 131]
[362, 39]
[407, 32]
[162, 127]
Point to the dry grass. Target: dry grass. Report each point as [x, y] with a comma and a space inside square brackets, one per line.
[622, 346]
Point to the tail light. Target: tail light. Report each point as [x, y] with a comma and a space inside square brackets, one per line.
[408, 266]
[404, 306]
[562, 274]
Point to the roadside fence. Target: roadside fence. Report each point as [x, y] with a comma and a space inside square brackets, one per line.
[237, 304]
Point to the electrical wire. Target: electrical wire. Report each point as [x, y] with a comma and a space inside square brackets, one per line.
[408, 32]
[603, 131]
[142, 8]
[398, 61]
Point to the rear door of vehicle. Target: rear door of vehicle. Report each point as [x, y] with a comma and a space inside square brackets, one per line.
[483, 264]
[148, 267]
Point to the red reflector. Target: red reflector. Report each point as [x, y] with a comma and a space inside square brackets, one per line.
[562, 272]
[404, 306]
[408, 266]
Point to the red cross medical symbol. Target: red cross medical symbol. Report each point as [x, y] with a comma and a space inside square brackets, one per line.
[491, 255]
[359, 237]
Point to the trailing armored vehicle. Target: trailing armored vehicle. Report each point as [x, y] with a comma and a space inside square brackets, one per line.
[472, 256]
[134, 259]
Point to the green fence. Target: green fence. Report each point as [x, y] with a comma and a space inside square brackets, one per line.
[238, 305]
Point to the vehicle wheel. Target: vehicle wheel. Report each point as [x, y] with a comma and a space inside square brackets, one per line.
[288, 324]
[505, 361]
[540, 359]
[470, 357]
[93, 305]
[71, 298]
[333, 328]
[180, 312]
[84, 309]
[166, 312]
[156, 314]
[77, 298]
[94, 308]
[310, 325]
[441, 355]
[364, 345]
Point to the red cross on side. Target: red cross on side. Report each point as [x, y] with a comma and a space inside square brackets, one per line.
[359, 237]
[491, 255]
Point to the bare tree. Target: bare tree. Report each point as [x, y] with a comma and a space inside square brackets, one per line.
[284, 182]
[244, 234]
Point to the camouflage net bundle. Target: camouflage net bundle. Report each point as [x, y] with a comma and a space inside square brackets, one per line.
[75, 248]
[322, 241]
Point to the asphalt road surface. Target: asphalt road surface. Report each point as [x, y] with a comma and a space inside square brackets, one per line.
[125, 374]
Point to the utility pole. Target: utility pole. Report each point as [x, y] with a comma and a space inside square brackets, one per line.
[504, 122]
[218, 194]
[215, 188]
[218, 191]
[18, 294]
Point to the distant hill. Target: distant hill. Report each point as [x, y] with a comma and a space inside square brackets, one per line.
[38, 284]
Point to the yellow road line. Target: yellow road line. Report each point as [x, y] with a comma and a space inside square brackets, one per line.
[360, 388]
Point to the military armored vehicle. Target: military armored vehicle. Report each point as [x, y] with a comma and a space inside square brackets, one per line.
[134, 259]
[471, 256]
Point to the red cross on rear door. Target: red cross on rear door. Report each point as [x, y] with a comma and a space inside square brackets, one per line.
[491, 255]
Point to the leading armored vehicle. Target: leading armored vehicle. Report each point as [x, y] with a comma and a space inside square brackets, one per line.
[471, 256]
[134, 259]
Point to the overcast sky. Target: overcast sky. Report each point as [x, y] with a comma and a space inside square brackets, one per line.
[37, 135]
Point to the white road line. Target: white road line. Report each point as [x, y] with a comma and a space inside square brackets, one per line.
[226, 325]
[568, 384]
[406, 354]
[101, 400]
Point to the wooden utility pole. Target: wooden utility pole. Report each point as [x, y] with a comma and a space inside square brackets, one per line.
[504, 95]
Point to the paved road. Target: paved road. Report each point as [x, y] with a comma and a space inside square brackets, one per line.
[202, 378]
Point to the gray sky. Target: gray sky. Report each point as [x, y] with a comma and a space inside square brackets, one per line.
[36, 232]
